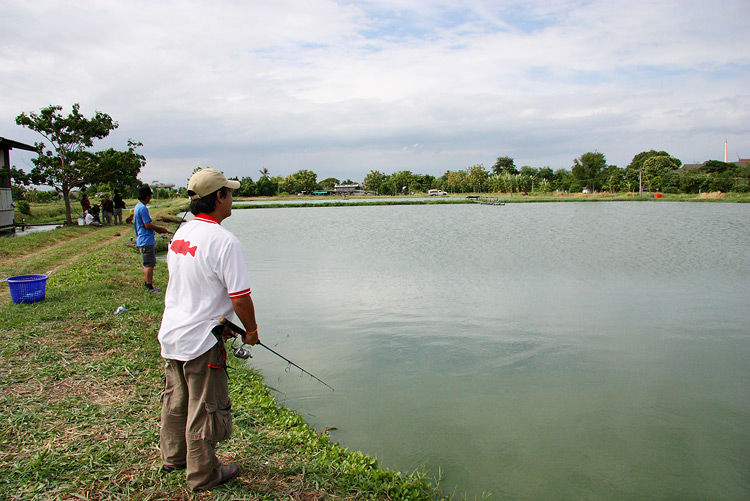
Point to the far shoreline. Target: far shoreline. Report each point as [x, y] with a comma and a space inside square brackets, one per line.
[54, 212]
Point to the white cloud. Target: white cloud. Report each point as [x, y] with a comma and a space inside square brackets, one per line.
[341, 87]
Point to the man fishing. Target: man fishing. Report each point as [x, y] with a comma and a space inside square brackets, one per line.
[144, 236]
[207, 281]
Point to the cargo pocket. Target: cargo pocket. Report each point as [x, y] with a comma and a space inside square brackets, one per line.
[219, 422]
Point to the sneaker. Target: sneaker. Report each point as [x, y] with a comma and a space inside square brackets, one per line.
[154, 291]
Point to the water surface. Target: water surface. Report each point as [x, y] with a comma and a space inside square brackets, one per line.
[553, 350]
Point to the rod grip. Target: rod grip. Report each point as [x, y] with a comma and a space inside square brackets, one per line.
[231, 326]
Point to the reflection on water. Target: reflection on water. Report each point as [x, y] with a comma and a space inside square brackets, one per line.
[532, 350]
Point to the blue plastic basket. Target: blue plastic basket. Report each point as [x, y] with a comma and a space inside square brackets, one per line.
[27, 288]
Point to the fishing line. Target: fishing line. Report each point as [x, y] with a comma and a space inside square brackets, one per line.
[239, 330]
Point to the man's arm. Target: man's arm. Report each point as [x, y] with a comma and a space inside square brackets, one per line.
[245, 310]
[158, 229]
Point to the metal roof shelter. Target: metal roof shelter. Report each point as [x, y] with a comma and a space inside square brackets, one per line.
[6, 195]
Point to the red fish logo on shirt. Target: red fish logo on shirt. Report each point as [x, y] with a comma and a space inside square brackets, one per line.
[183, 247]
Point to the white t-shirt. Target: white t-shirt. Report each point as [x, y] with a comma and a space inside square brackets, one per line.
[206, 270]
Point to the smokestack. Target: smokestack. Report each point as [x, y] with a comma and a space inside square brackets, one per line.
[725, 151]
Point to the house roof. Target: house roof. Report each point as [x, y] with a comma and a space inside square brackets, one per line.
[9, 144]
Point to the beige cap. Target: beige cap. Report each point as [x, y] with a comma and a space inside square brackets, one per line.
[206, 181]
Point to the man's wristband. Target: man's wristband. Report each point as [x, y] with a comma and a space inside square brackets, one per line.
[252, 332]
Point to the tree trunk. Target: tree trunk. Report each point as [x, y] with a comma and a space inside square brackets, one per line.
[66, 197]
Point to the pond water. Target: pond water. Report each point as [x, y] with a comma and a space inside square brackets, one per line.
[28, 230]
[534, 351]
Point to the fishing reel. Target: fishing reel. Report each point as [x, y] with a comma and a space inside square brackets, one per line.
[241, 351]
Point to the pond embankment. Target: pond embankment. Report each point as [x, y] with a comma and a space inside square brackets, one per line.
[80, 396]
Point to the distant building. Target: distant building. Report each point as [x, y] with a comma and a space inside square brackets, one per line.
[6, 194]
[348, 189]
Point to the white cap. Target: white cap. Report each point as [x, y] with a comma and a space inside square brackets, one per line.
[206, 181]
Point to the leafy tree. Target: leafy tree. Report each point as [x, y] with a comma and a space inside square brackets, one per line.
[427, 182]
[715, 166]
[586, 170]
[455, 180]
[403, 181]
[505, 164]
[529, 171]
[17, 176]
[634, 172]
[374, 180]
[527, 178]
[544, 186]
[117, 169]
[19, 180]
[563, 180]
[612, 178]
[477, 176]
[546, 173]
[247, 187]
[330, 183]
[659, 165]
[303, 180]
[63, 166]
[266, 187]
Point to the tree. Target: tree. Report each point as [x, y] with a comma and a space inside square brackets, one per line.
[118, 169]
[455, 180]
[328, 183]
[374, 180]
[300, 181]
[634, 172]
[563, 180]
[403, 181]
[63, 166]
[265, 187]
[505, 164]
[718, 167]
[587, 169]
[612, 178]
[247, 187]
[477, 176]
[19, 180]
[546, 173]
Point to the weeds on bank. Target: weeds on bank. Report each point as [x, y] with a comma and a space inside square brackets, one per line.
[79, 406]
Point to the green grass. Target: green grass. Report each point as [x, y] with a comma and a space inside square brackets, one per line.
[79, 407]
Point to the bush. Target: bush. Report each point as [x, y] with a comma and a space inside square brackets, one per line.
[23, 207]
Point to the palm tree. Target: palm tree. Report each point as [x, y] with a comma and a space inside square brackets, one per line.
[264, 172]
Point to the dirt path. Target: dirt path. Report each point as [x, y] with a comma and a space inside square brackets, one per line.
[5, 291]
[32, 255]
[73, 258]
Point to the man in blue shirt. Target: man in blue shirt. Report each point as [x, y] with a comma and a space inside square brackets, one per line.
[144, 233]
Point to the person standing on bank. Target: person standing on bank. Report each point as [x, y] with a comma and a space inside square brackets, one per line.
[207, 280]
[119, 204]
[145, 239]
[108, 209]
[85, 202]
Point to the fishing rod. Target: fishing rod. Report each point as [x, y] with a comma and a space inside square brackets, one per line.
[239, 330]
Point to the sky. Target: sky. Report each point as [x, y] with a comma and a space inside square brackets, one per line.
[344, 87]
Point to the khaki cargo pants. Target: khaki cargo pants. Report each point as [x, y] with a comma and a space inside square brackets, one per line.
[195, 416]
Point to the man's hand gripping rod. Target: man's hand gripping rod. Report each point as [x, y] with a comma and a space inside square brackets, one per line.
[239, 330]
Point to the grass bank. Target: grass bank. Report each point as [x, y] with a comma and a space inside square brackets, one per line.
[81, 386]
